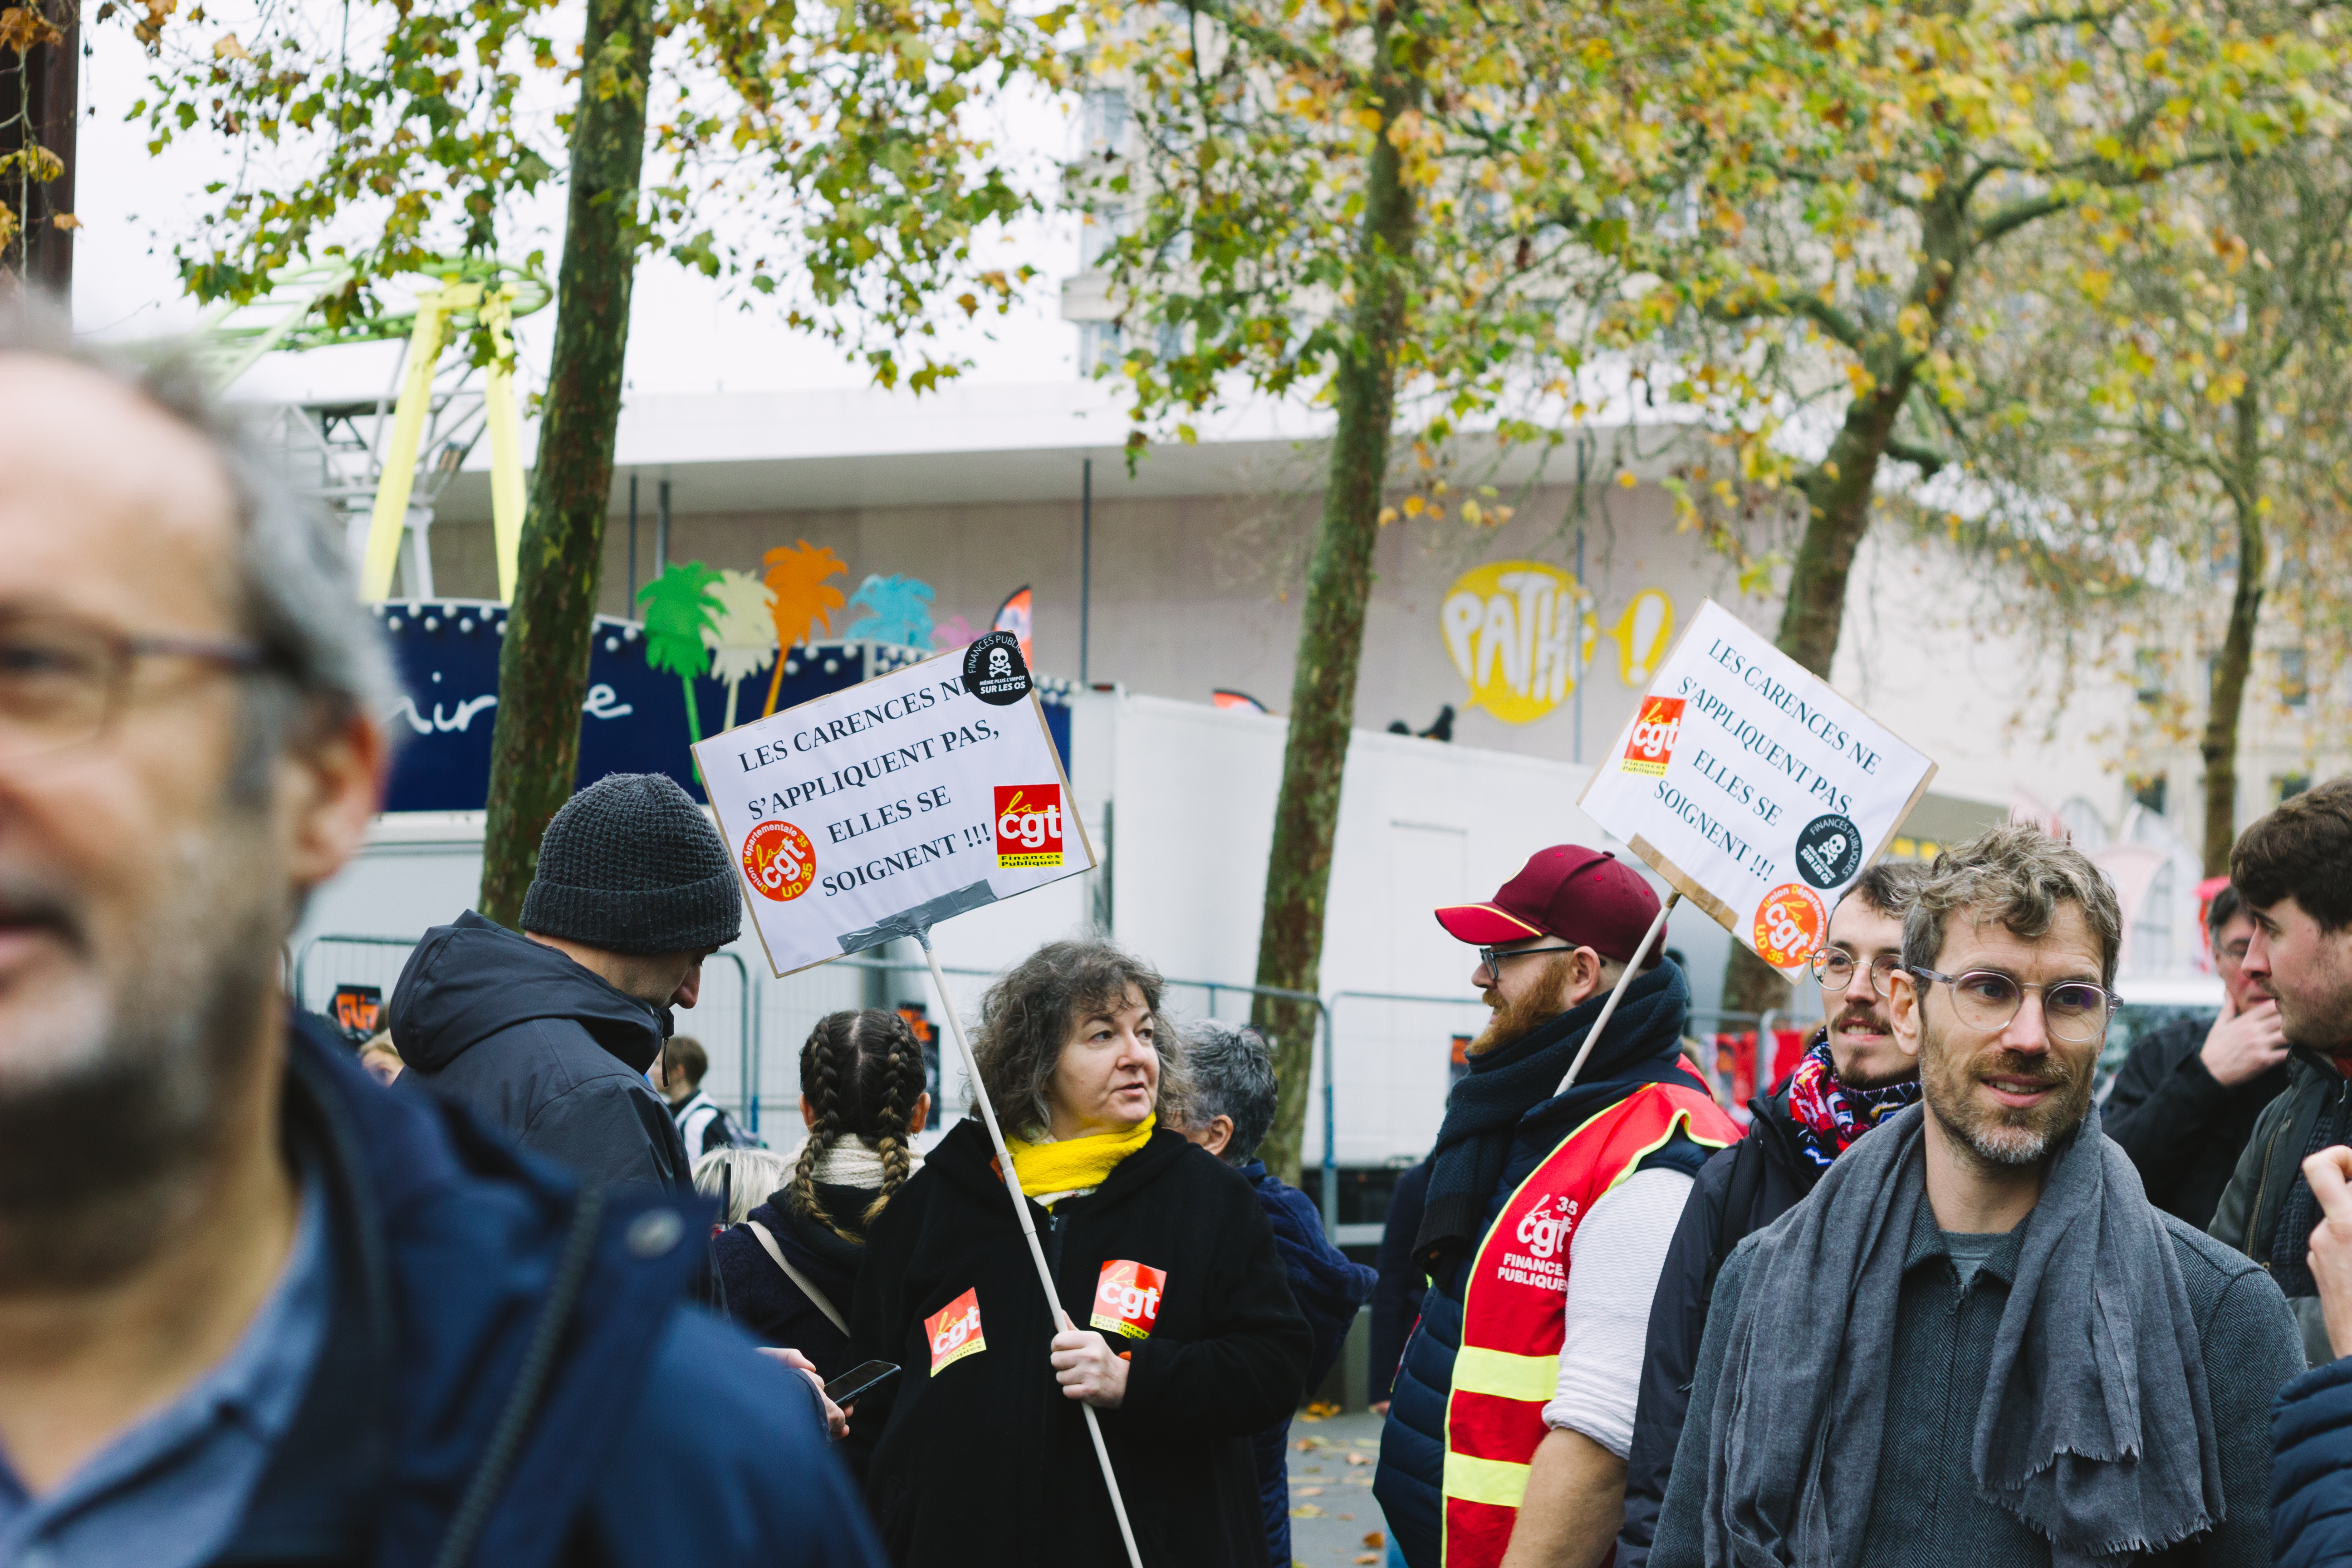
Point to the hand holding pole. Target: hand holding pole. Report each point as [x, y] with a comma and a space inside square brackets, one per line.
[1028, 1230]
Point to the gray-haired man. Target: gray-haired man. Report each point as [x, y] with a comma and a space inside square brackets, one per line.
[1977, 1342]
[255, 1307]
[1234, 1091]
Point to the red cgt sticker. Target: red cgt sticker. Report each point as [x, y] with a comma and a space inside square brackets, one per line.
[953, 1331]
[1126, 1298]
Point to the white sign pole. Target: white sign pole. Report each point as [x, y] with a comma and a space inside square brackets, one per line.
[1029, 1231]
[1617, 996]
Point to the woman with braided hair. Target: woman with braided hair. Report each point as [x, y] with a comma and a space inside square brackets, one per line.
[792, 1267]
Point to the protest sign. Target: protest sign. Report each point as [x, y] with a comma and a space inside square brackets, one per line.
[918, 795]
[1754, 789]
[877, 812]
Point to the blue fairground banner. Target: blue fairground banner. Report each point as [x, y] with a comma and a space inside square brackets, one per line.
[634, 719]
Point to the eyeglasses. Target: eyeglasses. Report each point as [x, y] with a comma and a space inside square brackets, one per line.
[1491, 958]
[1833, 971]
[1986, 999]
[64, 680]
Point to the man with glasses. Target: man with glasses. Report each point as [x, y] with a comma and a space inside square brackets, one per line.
[255, 1307]
[1977, 1342]
[1547, 1216]
[1853, 1077]
[2294, 869]
[2189, 1095]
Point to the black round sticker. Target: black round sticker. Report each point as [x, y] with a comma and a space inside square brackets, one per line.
[1828, 851]
[994, 671]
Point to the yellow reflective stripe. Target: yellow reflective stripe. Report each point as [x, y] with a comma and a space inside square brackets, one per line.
[1496, 1481]
[1682, 1120]
[1530, 1377]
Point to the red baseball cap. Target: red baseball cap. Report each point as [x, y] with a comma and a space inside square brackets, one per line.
[1581, 896]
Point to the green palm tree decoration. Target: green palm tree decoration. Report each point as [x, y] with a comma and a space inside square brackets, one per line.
[679, 607]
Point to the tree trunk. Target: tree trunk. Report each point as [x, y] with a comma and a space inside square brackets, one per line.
[39, 94]
[544, 663]
[1331, 639]
[1838, 494]
[2227, 695]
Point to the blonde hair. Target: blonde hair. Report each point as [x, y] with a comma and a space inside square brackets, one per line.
[757, 1173]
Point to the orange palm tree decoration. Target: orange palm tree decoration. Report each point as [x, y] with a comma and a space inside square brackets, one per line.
[797, 574]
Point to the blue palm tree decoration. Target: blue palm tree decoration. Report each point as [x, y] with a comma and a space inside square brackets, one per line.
[896, 610]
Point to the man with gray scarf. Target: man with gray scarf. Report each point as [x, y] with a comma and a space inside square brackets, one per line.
[1977, 1342]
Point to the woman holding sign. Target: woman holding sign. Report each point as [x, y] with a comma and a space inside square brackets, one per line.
[1182, 1335]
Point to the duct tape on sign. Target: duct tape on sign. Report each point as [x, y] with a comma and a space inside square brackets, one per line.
[1752, 787]
[891, 805]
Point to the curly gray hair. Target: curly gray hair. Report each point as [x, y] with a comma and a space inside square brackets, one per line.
[1026, 1017]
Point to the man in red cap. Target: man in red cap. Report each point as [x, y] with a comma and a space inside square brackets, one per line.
[1548, 1212]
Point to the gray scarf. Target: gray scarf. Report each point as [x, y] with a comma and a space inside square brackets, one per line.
[2095, 1430]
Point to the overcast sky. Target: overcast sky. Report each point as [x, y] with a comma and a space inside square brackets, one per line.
[687, 332]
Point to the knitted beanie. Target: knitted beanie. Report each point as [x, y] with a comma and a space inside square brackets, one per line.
[631, 865]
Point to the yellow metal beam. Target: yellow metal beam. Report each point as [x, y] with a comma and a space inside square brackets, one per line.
[506, 443]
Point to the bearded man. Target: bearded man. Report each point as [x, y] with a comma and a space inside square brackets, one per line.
[255, 1307]
[1852, 1078]
[1977, 1342]
[1547, 1216]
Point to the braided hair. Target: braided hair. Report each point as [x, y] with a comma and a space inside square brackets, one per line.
[863, 1072]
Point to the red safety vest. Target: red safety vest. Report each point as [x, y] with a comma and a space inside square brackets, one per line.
[1514, 1310]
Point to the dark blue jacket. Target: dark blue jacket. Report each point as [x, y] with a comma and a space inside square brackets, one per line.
[1412, 1441]
[1396, 1299]
[1328, 1290]
[651, 1434]
[2310, 1473]
[539, 1049]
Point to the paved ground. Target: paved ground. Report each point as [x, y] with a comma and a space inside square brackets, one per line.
[1334, 1522]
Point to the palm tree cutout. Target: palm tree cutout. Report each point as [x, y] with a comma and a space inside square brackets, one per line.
[796, 576]
[897, 610]
[679, 609]
[742, 638]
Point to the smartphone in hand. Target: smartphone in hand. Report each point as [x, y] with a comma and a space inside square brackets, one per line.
[858, 1380]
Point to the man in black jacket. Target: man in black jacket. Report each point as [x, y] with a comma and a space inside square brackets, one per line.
[2293, 869]
[1852, 1078]
[547, 1035]
[2185, 1103]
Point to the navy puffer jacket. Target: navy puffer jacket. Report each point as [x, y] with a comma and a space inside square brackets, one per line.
[2311, 1469]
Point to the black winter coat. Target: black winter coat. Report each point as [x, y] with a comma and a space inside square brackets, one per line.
[984, 1460]
[1738, 1192]
[762, 1297]
[2183, 1130]
[540, 1048]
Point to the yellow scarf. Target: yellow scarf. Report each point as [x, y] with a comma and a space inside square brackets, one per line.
[1076, 1163]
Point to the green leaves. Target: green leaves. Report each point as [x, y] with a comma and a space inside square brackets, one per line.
[824, 153]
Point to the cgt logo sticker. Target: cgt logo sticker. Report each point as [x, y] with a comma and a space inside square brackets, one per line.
[1028, 826]
[779, 860]
[953, 1331]
[1126, 1298]
[1789, 925]
[1656, 729]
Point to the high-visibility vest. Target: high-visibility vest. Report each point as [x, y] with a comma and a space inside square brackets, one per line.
[1514, 1309]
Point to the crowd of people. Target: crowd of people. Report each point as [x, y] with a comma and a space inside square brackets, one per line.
[447, 1298]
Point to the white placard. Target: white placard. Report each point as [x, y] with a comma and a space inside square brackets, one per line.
[905, 796]
[1754, 788]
